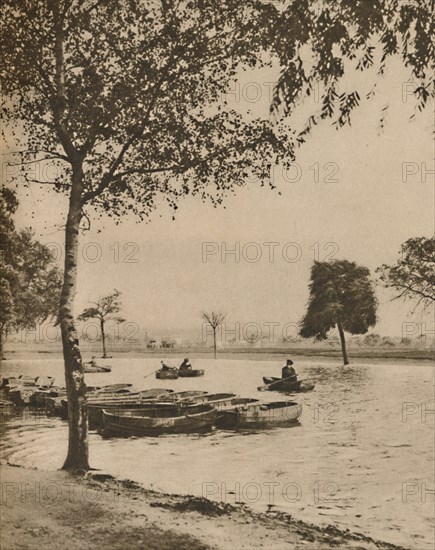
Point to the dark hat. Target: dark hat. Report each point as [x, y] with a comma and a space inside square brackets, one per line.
[289, 362]
[186, 359]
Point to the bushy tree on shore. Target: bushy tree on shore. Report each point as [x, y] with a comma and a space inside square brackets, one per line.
[104, 310]
[342, 296]
[413, 275]
[30, 282]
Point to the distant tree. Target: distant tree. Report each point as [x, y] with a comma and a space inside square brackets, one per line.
[252, 339]
[215, 320]
[387, 342]
[30, 282]
[104, 311]
[372, 340]
[413, 275]
[342, 296]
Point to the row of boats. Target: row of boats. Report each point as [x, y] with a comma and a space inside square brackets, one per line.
[166, 373]
[118, 409]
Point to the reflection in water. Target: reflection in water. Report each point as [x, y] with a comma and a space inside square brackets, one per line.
[346, 463]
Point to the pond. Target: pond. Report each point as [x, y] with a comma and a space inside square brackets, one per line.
[361, 458]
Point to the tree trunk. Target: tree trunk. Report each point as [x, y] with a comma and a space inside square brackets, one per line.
[214, 342]
[343, 344]
[103, 338]
[1, 347]
[77, 457]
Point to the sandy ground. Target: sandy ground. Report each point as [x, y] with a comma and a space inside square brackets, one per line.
[54, 510]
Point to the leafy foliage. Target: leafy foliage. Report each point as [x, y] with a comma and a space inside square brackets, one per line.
[29, 281]
[318, 42]
[413, 275]
[133, 92]
[341, 293]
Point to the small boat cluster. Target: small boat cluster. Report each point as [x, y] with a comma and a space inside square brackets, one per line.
[118, 409]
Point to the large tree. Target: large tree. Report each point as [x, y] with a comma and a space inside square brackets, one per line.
[125, 97]
[341, 296]
[104, 310]
[30, 281]
[413, 275]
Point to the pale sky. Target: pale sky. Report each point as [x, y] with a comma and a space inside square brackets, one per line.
[363, 216]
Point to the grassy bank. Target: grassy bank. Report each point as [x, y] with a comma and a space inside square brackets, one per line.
[17, 350]
[53, 510]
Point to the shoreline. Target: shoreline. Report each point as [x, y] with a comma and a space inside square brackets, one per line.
[333, 355]
[54, 509]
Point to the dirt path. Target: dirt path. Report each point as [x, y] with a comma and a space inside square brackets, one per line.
[53, 510]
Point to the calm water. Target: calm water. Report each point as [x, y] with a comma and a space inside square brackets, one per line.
[356, 460]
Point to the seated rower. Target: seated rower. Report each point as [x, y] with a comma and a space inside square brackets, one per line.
[165, 367]
[185, 365]
[288, 371]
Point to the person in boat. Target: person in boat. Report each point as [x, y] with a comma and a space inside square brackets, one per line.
[165, 367]
[185, 365]
[288, 371]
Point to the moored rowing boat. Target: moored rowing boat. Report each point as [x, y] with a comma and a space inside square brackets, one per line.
[260, 415]
[119, 402]
[153, 422]
[6, 407]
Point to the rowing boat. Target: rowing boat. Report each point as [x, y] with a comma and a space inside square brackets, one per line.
[220, 401]
[260, 415]
[167, 374]
[115, 388]
[233, 403]
[21, 395]
[154, 398]
[21, 380]
[90, 368]
[215, 398]
[184, 395]
[40, 396]
[6, 407]
[154, 422]
[136, 399]
[189, 373]
[136, 396]
[286, 384]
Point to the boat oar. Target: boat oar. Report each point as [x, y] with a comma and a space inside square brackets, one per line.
[154, 372]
